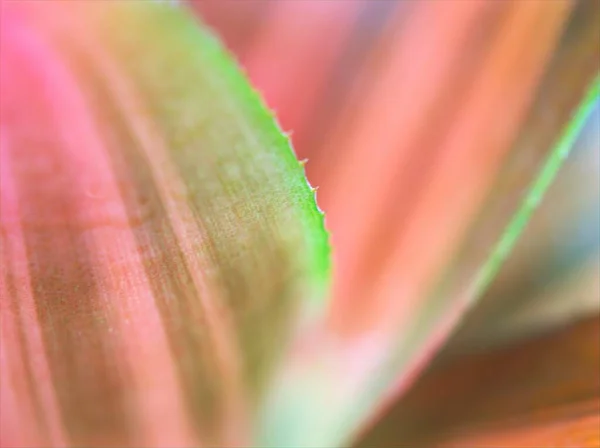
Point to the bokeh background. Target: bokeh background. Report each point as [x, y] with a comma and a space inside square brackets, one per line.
[366, 89]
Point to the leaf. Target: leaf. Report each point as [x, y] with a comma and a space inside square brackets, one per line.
[552, 276]
[159, 239]
[542, 392]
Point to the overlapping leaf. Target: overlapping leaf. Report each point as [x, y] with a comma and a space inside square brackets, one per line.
[515, 396]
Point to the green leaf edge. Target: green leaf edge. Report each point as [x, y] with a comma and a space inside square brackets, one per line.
[538, 188]
[225, 62]
[315, 217]
[501, 250]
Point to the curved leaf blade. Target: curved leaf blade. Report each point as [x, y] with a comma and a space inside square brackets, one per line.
[159, 238]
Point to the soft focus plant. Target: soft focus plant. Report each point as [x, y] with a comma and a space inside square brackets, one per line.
[165, 269]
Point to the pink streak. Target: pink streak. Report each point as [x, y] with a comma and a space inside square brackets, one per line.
[16, 411]
[294, 54]
[134, 322]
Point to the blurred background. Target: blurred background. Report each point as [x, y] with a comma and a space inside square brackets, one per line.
[378, 96]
